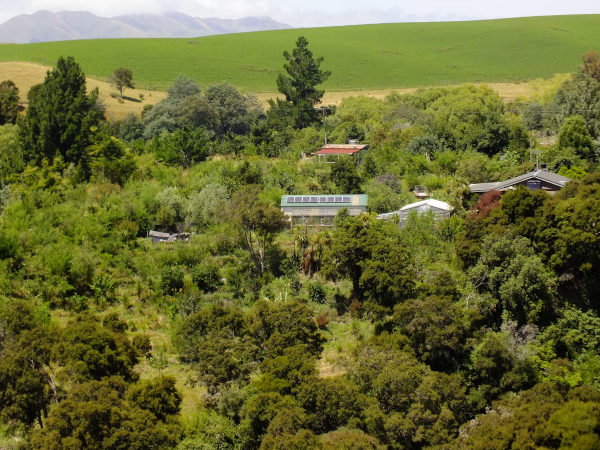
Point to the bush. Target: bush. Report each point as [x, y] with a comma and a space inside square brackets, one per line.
[158, 396]
[81, 270]
[141, 344]
[208, 430]
[206, 277]
[8, 245]
[172, 279]
[316, 292]
[322, 321]
[95, 415]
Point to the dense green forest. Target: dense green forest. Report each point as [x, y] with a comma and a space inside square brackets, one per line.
[479, 331]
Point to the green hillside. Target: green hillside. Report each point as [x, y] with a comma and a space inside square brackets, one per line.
[360, 57]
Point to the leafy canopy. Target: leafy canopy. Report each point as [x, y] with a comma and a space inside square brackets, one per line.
[122, 78]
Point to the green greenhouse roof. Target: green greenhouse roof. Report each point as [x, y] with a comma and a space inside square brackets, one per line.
[324, 200]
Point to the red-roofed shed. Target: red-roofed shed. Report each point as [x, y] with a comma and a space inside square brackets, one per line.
[340, 149]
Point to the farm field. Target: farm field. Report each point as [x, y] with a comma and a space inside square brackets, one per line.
[26, 75]
[367, 57]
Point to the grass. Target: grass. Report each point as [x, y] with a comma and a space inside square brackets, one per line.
[11, 439]
[366, 57]
[343, 337]
[26, 75]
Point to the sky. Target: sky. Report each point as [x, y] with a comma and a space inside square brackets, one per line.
[314, 13]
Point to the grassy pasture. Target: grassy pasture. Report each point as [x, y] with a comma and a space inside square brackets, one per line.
[366, 57]
[26, 75]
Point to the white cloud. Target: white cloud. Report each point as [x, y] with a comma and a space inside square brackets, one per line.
[307, 13]
[205, 8]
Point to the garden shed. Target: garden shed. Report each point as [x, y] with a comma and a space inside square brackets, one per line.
[332, 152]
[159, 236]
[439, 209]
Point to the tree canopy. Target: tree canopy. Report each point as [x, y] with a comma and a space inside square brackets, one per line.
[62, 118]
[122, 78]
[299, 86]
[9, 102]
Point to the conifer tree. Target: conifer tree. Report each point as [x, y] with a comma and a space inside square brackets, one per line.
[300, 85]
[62, 117]
[9, 102]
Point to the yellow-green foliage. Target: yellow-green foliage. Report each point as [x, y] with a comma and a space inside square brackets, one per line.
[544, 90]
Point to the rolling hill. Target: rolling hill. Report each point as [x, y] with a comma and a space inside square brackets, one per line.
[359, 57]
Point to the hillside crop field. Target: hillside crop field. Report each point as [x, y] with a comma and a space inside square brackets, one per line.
[365, 57]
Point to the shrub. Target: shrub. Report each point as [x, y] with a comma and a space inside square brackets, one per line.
[322, 321]
[172, 279]
[316, 292]
[141, 344]
[206, 277]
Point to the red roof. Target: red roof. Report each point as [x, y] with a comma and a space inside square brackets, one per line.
[340, 149]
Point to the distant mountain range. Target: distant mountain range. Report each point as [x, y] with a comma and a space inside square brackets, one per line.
[44, 26]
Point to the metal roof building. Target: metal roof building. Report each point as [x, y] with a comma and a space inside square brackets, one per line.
[538, 179]
[439, 209]
[320, 210]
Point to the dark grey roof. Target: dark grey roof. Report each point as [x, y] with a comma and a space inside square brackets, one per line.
[543, 175]
[484, 187]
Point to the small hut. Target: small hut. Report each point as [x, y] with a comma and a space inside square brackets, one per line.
[159, 236]
[330, 153]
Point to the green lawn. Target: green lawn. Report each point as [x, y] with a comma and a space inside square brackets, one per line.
[359, 57]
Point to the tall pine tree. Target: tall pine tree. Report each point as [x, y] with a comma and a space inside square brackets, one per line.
[61, 118]
[300, 85]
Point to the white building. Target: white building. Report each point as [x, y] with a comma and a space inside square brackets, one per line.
[439, 209]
